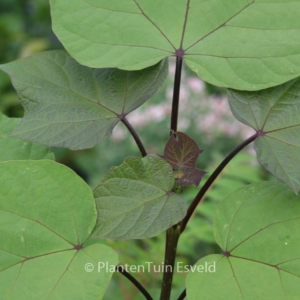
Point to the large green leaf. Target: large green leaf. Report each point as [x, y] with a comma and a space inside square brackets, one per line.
[257, 228]
[16, 149]
[242, 44]
[135, 200]
[275, 114]
[46, 214]
[69, 105]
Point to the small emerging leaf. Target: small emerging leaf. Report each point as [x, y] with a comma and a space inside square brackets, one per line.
[182, 152]
[135, 200]
[16, 149]
[192, 176]
[46, 214]
[275, 114]
[69, 105]
[257, 228]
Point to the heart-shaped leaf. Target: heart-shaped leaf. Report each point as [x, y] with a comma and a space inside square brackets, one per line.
[257, 227]
[275, 114]
[242, 44]
[46, 214]
[135, 200]
[69, 105]
[17, 149]
[182, 152]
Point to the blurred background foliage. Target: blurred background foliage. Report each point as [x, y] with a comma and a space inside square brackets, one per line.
[25, 28]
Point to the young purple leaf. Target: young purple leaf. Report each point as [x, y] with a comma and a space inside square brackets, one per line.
[193, 176]
[182, 152]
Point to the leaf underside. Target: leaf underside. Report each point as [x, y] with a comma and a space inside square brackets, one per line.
[241, 44]
[275, 114]
[257, 229]
[69, 105]
[17, 149]
[182, 152]
[135, 200]
[44, 221]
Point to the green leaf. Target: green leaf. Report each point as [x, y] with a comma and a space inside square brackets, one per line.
[275, 114]
[46, 214]
[135, 200]
[16, 149]
[257, 228]
[241, 44]
[182, 152]
[69, 105]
